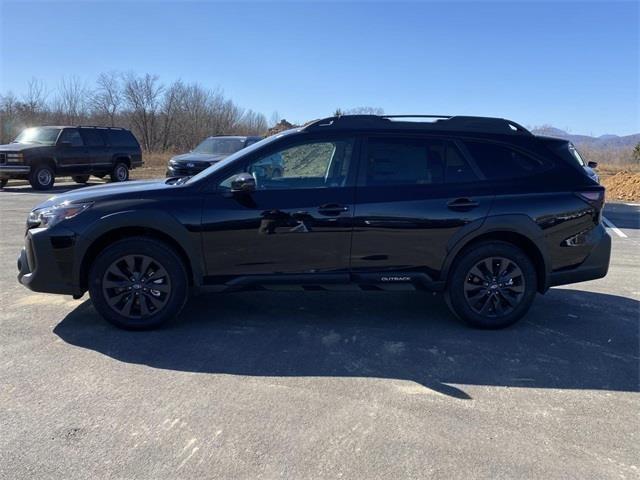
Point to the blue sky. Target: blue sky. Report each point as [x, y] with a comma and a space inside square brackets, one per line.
[571, 64]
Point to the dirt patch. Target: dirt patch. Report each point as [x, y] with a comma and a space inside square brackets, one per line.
[623, 185]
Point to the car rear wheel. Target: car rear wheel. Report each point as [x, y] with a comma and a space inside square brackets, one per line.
[3, 182]
[120, 172]
[42, 177]
[80, 178]
[138, 283]
[491, 285]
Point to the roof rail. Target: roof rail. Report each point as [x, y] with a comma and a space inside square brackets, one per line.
[99, 126]
[456, 123]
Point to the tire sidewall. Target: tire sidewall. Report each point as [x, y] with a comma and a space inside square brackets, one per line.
[114, 174]
[160, 252]
[455, 289]
[34, 180]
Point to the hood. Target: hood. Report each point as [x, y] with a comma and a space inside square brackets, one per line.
[199, 157]
[108, 191]
[18, 147]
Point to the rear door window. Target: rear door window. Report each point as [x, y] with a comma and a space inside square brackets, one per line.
[92, 138]
[416, 161]
[500, 162]
[404, 161]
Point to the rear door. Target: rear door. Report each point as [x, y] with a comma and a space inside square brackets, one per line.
[413, 195]
[96, 144]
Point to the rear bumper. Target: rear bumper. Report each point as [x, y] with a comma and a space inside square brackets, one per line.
[596, 265]
[45, 262]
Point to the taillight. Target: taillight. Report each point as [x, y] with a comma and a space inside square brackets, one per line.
[593, 197]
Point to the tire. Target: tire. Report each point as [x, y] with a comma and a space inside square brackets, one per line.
[120, 172]
[134, 305]
[3, 182]
[80, 178]
[479, 295]
[42, 177]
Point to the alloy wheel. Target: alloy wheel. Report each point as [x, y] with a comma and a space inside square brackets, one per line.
[494, 287]
[136, 286]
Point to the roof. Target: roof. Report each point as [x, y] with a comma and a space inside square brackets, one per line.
[78, 126]
[238, 137]
[419, 122]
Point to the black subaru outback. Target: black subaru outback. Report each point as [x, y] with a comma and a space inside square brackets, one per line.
[40, 154]
[478, 208]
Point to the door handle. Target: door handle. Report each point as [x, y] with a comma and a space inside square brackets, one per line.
[462, 204]
[332, 209]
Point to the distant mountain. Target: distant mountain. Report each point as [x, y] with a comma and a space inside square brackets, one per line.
[601, 142]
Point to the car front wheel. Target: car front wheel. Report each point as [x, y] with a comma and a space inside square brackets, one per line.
[138, 283]
[491, 285]
[42, 177]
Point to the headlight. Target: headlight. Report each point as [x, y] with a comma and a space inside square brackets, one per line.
[50, 216]
[15, 157]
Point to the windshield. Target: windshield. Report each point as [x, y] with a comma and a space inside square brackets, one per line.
[220, 145]
[245, 151]
[44, 136]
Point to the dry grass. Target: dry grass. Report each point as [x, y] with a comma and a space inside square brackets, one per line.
[155, 165]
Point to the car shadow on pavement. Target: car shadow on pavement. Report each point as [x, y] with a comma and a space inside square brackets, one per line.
[571, 339]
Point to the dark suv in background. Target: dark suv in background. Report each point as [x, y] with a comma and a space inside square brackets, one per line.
[478, 208]
[208, 152]
[40, 154]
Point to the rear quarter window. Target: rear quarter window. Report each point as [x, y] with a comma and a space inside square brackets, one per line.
[500, 162]
[122, 138]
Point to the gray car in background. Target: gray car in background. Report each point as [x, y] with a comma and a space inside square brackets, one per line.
[208, 152]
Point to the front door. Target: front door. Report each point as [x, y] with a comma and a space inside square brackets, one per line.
[414, 194]
[73, 155]
[297, 221]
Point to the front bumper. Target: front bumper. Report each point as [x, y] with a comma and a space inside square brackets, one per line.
[45, 263]
[9, 171]
[596, 265]
[177, 170]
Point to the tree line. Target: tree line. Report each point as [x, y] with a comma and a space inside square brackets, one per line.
[163, 117]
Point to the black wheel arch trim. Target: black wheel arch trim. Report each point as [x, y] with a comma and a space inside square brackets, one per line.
[138, 222]
[517, 224]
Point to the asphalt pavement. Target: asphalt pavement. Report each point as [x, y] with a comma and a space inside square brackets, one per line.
[322, 384]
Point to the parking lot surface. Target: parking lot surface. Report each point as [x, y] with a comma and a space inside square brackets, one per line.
[321, 384]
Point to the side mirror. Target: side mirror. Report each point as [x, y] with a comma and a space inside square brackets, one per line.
[65, 144]
[592, 164]
[243, 183]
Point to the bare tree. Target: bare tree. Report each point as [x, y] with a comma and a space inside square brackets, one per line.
[142, 96]
[364, 111]
[72, 100]
[107, 98]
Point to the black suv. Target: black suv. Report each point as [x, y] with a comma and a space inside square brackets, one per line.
[476, 207]
[211, 150]
[40, 154]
